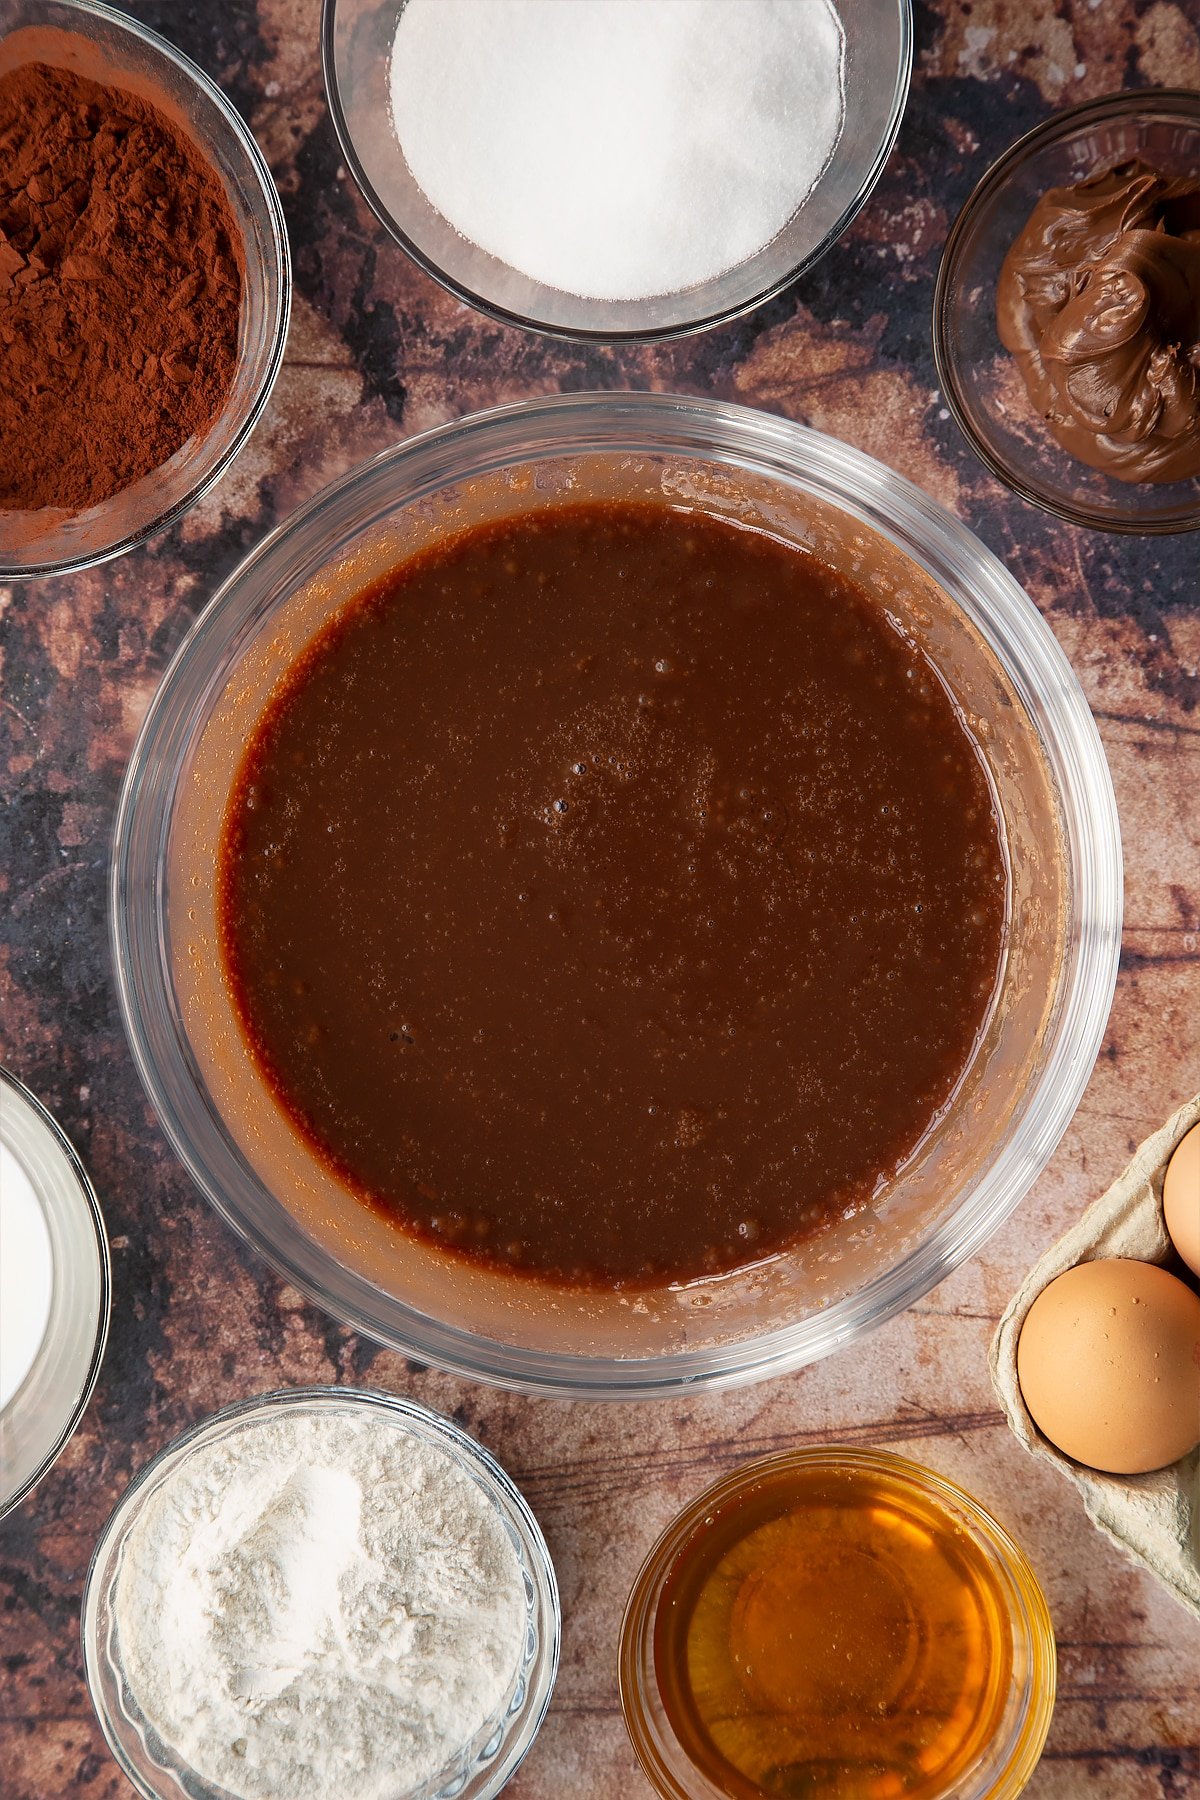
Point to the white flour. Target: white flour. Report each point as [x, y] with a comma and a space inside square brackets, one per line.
[320, 1607]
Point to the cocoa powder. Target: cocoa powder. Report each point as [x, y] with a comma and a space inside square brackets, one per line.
[121, 270]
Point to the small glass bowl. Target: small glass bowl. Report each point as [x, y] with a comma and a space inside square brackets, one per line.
[484, 1765]
[1013, 1752]
[42, 1414]
[356, 38]
[106, 46]
[980, 379]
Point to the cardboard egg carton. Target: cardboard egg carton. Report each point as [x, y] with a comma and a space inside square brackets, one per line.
[1155, 1518]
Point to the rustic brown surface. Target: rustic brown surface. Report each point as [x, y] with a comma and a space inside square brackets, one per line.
[378, 351]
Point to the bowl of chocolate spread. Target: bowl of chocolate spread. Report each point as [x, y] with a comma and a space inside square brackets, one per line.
[1067, 314]
[617, 892]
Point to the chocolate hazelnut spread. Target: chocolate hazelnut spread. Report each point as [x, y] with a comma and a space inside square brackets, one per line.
[612, 895]
[1099, 301]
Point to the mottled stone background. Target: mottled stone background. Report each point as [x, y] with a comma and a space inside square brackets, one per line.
[377, 351]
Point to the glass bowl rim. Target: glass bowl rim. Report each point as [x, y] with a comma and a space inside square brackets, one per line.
[282, 272]
[1029, 1615]
[104, 1309]
[1059, 125]
[492, 1477]
[1023, 642]
[501, 315]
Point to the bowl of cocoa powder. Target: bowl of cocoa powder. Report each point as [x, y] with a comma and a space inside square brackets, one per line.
[144, 285]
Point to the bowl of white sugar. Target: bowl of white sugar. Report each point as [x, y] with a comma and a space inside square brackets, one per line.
[616, 168]
[321, 1594]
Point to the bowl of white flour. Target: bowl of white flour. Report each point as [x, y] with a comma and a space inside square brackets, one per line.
[321, 1594]
[616, 168]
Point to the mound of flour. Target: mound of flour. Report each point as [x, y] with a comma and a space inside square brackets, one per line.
[319, 1607]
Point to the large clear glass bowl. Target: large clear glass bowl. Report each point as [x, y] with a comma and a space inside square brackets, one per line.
[1052, 790]
[356, 39]
[95, 41]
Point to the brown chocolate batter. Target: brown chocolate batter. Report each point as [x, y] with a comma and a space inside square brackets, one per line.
[614, 894]
[1099, 301]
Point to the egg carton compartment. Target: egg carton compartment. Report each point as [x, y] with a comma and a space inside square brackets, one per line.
[1155, 1518]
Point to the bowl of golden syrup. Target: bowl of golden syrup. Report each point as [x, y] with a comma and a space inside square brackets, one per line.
[837, 1622]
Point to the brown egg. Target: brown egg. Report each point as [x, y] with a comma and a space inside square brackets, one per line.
[1109, 1365]
[1181, 1198]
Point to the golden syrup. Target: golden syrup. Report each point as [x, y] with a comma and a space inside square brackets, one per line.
[833, 1633]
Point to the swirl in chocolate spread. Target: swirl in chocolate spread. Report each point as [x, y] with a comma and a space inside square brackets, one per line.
[1099, 301]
